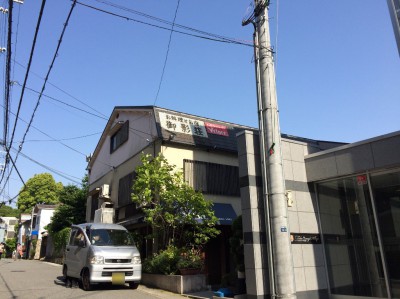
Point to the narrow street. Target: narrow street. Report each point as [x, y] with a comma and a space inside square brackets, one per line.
[29, 279]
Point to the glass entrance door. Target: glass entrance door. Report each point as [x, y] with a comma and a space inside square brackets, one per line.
[386, 193]
[353, 255]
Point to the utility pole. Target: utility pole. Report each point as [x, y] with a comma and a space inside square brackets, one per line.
[282, 284]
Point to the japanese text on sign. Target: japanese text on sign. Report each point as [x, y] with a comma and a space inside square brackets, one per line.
[184, 125]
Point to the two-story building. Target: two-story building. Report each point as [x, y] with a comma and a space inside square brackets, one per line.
[206, 150]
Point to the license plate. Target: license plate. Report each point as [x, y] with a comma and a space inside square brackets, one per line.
[118, 278]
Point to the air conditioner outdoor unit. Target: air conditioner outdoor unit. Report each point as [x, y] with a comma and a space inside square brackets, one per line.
[105, 214]
[104, 191]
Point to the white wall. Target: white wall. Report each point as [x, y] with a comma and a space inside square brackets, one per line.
[142, 132]
[45, 218]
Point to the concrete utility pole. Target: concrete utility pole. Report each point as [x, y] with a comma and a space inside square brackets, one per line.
[282, 272]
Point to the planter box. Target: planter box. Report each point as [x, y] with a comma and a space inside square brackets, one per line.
[180, 284]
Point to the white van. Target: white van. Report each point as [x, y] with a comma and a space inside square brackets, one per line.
[102, 252]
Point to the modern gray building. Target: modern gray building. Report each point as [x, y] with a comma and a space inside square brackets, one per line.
[344, 216]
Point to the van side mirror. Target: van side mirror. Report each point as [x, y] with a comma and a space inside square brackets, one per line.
[81, 243]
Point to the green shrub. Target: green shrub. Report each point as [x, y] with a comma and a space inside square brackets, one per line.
[165, 262]
[60, 239]
[11, 244]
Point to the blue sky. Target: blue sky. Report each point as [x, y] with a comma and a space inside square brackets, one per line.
[337, 69]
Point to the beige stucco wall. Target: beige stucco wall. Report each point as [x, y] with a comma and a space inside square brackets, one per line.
[175, 156]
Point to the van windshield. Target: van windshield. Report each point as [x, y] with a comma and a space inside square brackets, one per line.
[110, 237]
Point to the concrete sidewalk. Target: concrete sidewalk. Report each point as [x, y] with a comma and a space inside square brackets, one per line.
[169, 295]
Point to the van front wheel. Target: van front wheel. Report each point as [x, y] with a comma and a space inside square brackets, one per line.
[86, 285]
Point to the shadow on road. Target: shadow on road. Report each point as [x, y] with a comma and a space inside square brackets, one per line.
[60, 281]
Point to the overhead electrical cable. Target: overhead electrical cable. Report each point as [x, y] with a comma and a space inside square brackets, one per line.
[63, 91]
[166, 55]
[63, 139]
[170, 23]
[68, 177]
[16, 39]
[64, 103]
[27, 71]
[8, 73]
[58, 172]
[48, 73]
[221, 39]
[62, 143]
[43, 87]
[133, 130]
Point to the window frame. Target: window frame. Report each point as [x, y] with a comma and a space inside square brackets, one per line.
[119, 137]
[215, 177]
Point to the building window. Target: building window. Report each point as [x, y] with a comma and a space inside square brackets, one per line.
[119, 137]
[125, 189]
[211, 178]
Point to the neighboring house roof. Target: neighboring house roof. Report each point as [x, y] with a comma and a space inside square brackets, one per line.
[211, 133]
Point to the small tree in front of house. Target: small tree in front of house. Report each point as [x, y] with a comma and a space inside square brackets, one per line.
[179, 215]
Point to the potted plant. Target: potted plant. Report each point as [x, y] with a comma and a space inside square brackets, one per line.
[190, 262]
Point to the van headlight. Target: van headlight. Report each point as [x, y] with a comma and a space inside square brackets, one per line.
[97, 259]
[136, 260]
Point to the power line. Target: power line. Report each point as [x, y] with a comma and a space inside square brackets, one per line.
[55, 171]
[133, 130]
[24, 84]
[8, 71]
[64, 139]
[216, 38]
[63, 91]
[58, 172]
[64, 103]
[27, 73]
[48, 73]
[166, 55]
[169, 23]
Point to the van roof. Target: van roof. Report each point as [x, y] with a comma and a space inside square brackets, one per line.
[100, 226]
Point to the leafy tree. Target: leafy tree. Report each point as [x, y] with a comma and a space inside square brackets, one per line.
[177, 213]
[72, 208]
[40, 189]
[7, 211]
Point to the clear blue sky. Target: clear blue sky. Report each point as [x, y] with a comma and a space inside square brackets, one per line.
[338, 71]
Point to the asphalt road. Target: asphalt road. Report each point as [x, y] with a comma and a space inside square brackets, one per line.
[29, 279]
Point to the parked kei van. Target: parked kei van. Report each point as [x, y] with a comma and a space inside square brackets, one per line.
[102, 252]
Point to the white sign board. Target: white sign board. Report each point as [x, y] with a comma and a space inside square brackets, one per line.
[184, 125]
